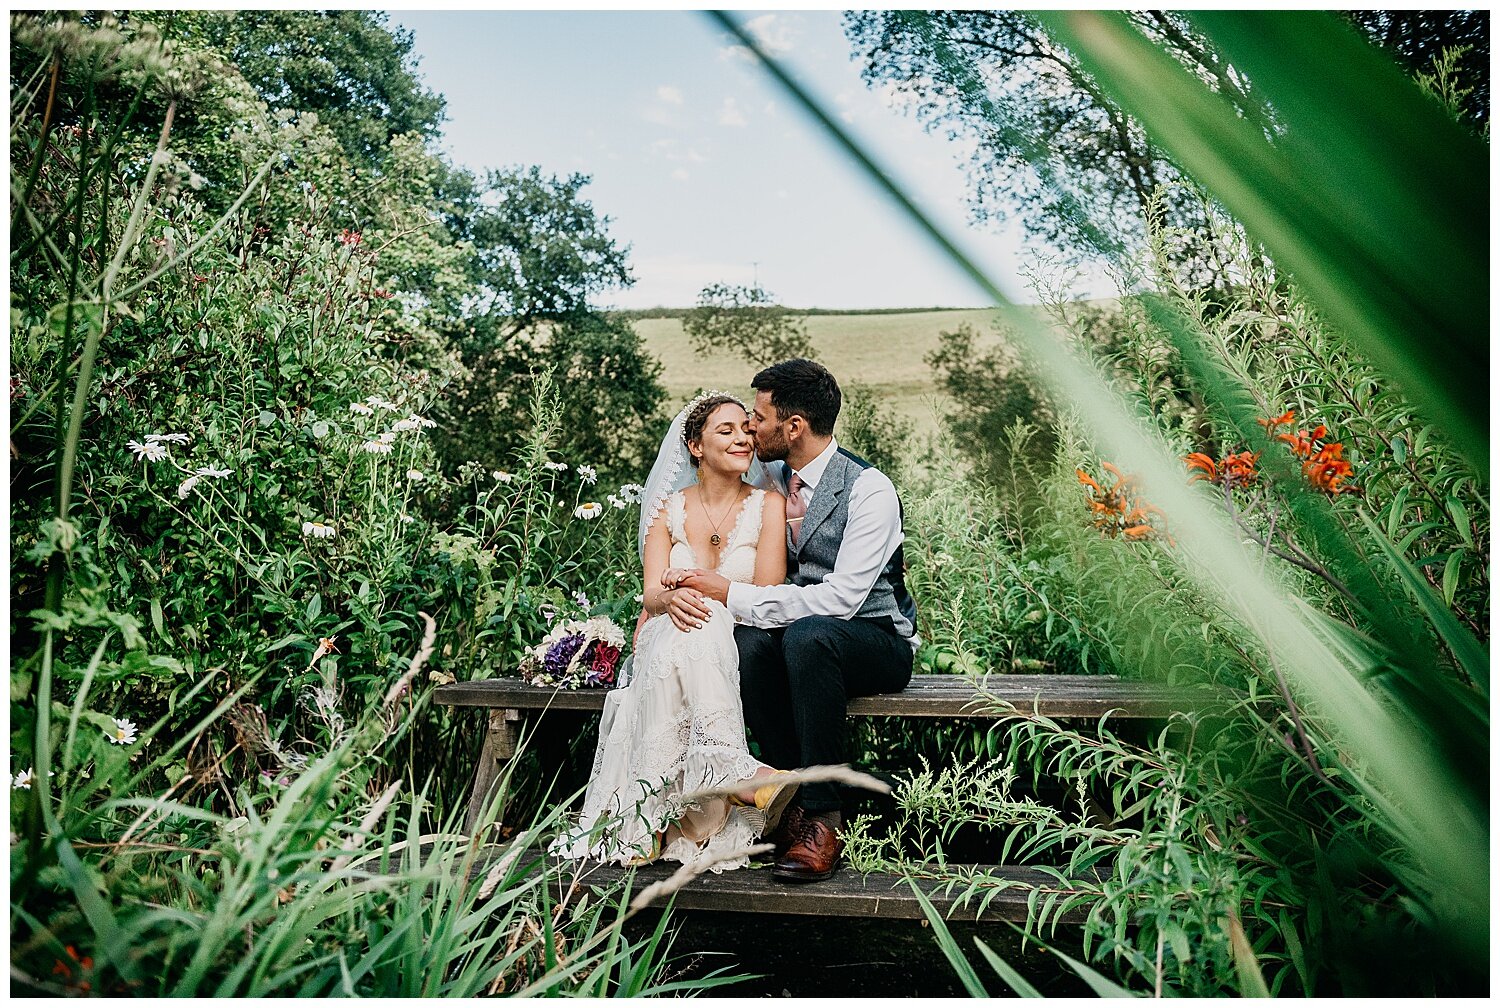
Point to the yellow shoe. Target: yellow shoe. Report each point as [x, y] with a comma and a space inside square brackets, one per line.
[637, 862]
[773, 799]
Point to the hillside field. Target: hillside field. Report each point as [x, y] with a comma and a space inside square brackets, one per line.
[884, 351]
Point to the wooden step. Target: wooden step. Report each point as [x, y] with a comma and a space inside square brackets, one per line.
[847, 894]
[935, 696]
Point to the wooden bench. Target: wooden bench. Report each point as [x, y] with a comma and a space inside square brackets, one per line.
[511, 701]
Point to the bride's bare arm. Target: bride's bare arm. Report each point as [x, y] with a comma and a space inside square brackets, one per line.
[656, 598]
[653, 561]
[770, 551]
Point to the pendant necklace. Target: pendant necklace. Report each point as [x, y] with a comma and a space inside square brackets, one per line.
[716, 540]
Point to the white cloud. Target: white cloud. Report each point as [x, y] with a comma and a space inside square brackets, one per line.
[774, 33]
[669, 94]
[730, 114]
[680, 174]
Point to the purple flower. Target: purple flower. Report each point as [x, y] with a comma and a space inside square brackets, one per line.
[561, 653]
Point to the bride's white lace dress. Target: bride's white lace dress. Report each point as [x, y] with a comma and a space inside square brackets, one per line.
[675, 728]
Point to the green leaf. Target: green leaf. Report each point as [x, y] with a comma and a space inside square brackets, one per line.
[314, 607]
[1460, 516]
[1451, 571]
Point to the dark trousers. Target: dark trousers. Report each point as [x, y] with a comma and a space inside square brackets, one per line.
[795, 685]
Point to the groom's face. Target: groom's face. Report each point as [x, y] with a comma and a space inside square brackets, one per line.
[769, 431]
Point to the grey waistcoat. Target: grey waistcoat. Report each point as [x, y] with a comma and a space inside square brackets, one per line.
[810, 559]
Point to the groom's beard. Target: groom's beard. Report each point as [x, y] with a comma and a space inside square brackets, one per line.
[770, 454]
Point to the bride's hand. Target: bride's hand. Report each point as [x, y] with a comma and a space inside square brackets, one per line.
[672, 576]
[687, 609]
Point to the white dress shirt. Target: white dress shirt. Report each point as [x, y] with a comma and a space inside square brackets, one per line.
[871, 535]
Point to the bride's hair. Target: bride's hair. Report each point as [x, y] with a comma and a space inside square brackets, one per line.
[697, 419]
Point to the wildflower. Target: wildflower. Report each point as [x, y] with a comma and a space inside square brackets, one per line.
[151, 451]
[588, 511]
[501, 476]
[1237, 469]
[380, 447]
[211, 471]
[632, 493]
[407, 519]
[318, 530]
[186, 486]
[347, 237]
[1322, 463]
[616, 502]
[379, 402]
[168, 438]
[582, 599]
[548, 613]
[587, 474]
[1119, 510]
[201, 278]
[123, 733]
[381, 293]
[406, 425]
[555, 466]
[23, 779]
[639, 599]
[72, 972]
[415, 475]
[360, 408]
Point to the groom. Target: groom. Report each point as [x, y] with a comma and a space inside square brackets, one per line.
[843, 626]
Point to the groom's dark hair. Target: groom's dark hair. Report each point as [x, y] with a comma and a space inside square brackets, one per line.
[802, 387]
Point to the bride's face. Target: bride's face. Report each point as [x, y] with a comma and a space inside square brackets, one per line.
[726, 445]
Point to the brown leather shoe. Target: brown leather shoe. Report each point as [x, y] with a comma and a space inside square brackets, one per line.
[784, 835]
[814, 855]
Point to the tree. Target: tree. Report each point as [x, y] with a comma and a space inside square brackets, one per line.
[348, 66]
[748, 322]
[541, 252]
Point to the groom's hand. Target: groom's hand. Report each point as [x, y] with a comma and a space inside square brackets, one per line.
[711, 585]
[686, 609]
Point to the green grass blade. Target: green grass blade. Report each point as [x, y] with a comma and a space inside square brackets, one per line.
[949, 946]
[1008, 973]
[1383, 235]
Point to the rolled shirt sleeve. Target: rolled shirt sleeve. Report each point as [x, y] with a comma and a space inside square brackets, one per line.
[871, 535]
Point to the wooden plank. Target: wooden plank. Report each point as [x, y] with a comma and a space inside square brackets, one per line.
[847, 894]
[936, 696]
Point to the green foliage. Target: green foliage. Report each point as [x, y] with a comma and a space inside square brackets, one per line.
[870, 428]
[992, 392]
[746, 321]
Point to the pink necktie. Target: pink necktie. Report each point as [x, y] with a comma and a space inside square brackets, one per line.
[796, 507]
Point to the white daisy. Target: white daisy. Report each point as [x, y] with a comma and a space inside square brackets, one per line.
[318, 530]
[501, 476]
[186, 486]
[587, 474]
[151, 451]
[416, 421]
[632, 493]
[211, 471]
[171, 438]
[380, 402]
[360, 408]
[555, 466]
[588, 511]
[415, 475]
[407, 519]
[23, 779]
[123, 733]
[616, 502]
[406, 425]
[378, 447]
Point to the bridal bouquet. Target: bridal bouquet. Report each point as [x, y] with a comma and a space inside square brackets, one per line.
[575, 654]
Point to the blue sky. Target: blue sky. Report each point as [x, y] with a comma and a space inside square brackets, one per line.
[706, 170]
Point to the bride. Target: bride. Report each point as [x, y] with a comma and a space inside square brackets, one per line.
[675, 726]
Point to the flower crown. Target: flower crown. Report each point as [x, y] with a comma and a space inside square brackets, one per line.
[687, 410]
